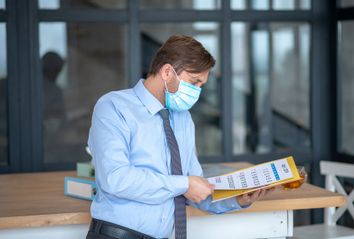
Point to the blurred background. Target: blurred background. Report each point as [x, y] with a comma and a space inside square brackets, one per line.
[282, 85]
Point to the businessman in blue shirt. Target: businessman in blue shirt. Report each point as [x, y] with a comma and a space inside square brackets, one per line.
[143, 145]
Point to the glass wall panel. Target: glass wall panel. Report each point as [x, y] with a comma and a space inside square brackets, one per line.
[274, 4]
[99, 4]
[346, 82]
[207, 111]
[245, 4]
[2, 4]
[177, 4]
[347, 3]
[3, 96]
[80, 63]
[270, 76]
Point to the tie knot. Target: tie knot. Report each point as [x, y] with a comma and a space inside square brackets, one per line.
[164, 114]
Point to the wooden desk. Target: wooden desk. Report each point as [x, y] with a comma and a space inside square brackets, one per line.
[37, 200]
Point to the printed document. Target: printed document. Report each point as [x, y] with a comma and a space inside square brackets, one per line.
[265, 175]
[257, 176]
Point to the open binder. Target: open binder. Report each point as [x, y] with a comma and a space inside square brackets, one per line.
[220, 194]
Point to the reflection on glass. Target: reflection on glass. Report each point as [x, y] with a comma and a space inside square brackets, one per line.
[207, 111]
[3, 95]
[346, 79]
[260, 4]
[276, 4]
[245, 4]
[80, 62]
[56, 4]
[176, 4]
[305, 4]
[238, 4]
[346, 3]
[283, 4]
[291, 4]
[270, 75]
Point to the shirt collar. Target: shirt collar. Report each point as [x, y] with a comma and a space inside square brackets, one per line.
[147, 99]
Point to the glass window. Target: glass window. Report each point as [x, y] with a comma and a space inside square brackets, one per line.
[259, 5]
[347, 3]
[57, 4]
[80, 63]
[283, 4]
[207, 111]
[238, 4]
[245, 4]
[2, 4]
[346, 82]
[270, 75]
[175, 4]
[3, 96]
[276, 4]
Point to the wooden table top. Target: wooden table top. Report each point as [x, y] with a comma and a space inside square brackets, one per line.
[37, 199]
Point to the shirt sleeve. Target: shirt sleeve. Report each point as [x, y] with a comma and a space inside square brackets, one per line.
[109, 139]
[195, 169]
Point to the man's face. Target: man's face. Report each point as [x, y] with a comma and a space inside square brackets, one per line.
[197, 79]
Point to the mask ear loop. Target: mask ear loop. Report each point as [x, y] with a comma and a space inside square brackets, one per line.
[166, 89]
[164, 81]
[176, 74]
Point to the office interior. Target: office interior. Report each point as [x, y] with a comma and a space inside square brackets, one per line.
[282, 85]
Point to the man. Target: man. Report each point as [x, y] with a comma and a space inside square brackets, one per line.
[143, 145]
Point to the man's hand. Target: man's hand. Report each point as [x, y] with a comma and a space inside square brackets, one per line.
[199, 189]
[249, 198]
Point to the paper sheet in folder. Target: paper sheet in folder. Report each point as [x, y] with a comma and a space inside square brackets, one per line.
[81, 188]
[247, 180]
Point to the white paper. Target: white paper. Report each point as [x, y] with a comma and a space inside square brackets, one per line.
[257, 176]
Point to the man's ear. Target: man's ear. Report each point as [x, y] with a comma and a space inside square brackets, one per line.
[166, 72]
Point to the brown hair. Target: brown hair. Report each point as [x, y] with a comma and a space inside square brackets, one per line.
[183, 53]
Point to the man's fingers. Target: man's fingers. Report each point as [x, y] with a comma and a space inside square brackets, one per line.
[263, 192]
[249, 198]
[255, 195]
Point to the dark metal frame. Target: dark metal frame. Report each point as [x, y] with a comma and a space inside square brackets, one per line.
[344, 14]
[2, 15]
[323, 89]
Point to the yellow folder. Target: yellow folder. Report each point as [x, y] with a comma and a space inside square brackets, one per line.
[224, 194]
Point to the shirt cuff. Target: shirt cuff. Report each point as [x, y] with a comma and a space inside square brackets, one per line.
[233, 204]
[180, 184]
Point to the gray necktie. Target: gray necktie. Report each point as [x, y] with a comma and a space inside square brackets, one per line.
[176, 168]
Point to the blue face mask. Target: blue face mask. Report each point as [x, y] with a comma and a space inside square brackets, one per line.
[184, 98]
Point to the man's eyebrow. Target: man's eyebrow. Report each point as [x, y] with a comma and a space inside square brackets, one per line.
[197, 80]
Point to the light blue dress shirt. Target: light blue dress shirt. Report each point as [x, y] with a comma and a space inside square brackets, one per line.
[135, 188]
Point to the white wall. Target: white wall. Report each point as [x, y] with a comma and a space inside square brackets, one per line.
[53, 232]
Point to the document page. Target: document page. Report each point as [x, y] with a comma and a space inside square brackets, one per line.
[252, 177]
